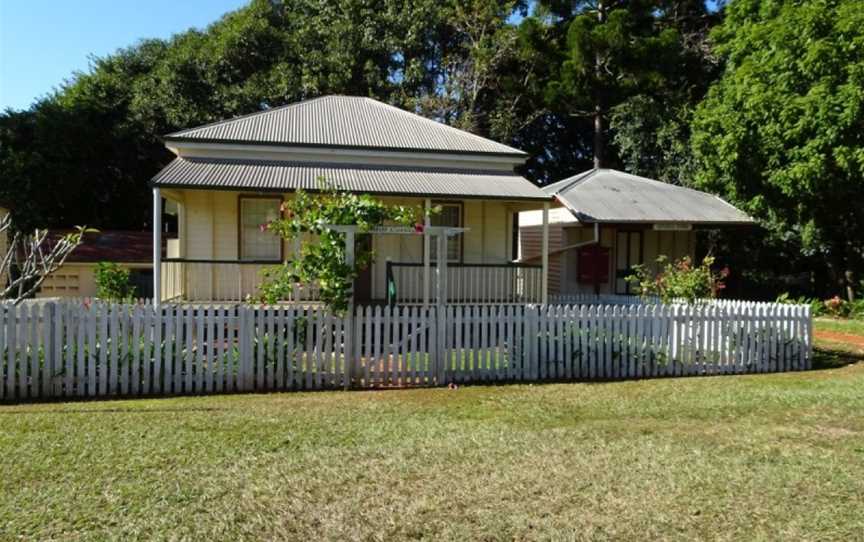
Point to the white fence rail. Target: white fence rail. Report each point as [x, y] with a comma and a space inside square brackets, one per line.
[468, 283]
[58, 349]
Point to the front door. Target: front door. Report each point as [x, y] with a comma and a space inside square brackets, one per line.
[628, 252]
[363, 283]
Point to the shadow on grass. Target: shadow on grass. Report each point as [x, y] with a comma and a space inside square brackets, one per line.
[833, 358]
[114, 410]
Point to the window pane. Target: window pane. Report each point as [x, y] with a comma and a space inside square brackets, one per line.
[450, 216]
[255, 244]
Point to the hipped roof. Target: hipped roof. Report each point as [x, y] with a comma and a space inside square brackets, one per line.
[612, 196]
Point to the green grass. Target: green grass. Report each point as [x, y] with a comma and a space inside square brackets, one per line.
[855, 327]
[728, 458]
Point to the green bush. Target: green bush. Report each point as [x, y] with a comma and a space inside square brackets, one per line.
[836, 307]
[679, 280]
[112, 282]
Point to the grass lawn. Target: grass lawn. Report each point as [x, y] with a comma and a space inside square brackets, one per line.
[855, 327]
[729, 458]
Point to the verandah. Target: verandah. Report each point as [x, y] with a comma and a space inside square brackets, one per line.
[61, 349]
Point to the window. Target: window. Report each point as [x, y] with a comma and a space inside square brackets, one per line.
[451, 217]
[254, 243]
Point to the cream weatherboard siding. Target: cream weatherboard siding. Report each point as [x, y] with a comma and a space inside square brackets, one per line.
[563, 267]
[77, 280]
[210, 220]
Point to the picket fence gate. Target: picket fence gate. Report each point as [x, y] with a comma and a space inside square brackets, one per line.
[61, 349]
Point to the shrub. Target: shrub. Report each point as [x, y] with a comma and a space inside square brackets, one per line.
[112, 282]
[679, 280]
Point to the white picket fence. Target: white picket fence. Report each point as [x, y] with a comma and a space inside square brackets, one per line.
[60, 349]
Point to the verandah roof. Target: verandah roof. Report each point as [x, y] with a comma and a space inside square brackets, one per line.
[278, 176]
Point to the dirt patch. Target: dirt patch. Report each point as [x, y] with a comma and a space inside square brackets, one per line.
[836, 336]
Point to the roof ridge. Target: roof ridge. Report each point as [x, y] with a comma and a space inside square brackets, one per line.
[249, 115]
[570, 182]
[441, 124]
[339, 110]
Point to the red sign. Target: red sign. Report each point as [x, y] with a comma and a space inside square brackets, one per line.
[593, 264]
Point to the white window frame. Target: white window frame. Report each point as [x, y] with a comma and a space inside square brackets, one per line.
[456, 239]
[241, 225]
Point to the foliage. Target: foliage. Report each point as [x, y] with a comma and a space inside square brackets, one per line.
[608, 53]
[323, 262]
[99, 134]
[31, 257]
[112, 282]
[780, 133]
[679, 280]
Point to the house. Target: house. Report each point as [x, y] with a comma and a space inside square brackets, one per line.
[77, 277]
[229, 177]
[606, 221]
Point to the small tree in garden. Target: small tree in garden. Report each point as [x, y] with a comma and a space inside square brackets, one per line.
[323, 262]
[679, 280]
[112, 282]
[30, 258]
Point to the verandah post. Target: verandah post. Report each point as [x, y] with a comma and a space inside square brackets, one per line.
[441, 293]
[157, 246]
[544, 284]
[427, 253]
[349, 324]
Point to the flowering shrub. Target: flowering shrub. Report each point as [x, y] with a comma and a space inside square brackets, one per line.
[679, 280]
[323, 262]
[835, 307]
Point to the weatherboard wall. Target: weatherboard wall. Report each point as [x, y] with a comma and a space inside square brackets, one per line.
[210, 220]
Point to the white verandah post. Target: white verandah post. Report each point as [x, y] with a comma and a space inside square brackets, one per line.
[427, 252]
[157, 246]
[349, 324]
[441, 292]
[544, 288]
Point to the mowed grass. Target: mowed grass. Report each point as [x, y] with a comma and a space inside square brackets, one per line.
[722, 458]
[855, 327]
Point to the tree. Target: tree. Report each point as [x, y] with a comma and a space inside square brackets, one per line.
[612, 49]
[31, 258]
[780, 134]
[98, 136]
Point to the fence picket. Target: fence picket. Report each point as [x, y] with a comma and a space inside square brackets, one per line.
[96, 348]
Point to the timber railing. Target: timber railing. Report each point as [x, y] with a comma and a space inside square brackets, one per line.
[220, 280]
[63, 349]
[466, 283]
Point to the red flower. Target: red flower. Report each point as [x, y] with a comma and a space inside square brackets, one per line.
[263, 228]
[419, 227]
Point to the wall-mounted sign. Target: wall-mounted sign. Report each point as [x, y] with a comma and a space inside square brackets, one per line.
[673, 226]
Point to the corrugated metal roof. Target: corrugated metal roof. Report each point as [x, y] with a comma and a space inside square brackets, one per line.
[344, 121]
[608, 195]
[261, 175]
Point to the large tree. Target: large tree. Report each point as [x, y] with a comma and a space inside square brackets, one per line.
[612, 51]
[84, 154]
[782, 133]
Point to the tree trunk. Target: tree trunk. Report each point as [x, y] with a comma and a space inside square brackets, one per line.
[599, 143]
[598, 136]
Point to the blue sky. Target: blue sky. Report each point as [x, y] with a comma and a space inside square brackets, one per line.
[43, 41]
